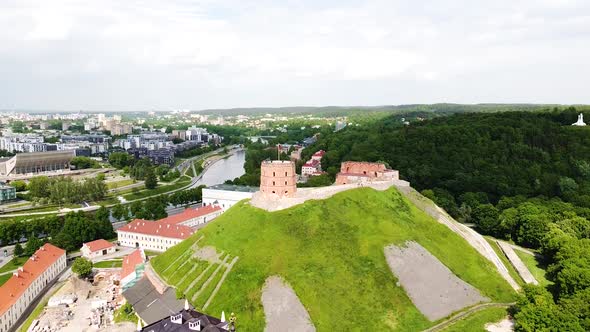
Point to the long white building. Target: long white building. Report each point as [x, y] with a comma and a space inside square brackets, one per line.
[226, 195]
[28, 281]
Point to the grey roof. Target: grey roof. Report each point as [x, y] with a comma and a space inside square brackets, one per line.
[208, 323]
[150, 305]
[233, 187]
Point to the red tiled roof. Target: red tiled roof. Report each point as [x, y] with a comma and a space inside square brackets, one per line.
[312, 163]
[190, 214]
[99, 244]
[43, 258]
[320, 153]
[131, 261]
[156, 228]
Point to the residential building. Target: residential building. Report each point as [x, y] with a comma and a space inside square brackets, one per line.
[27, 282]
[194, 218]
[7, 193]
[152, 235]
[152, 302]
[97, 248]
[188, 320]
[132, 269]
[311, 168]
[226, 195]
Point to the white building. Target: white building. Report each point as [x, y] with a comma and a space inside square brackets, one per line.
[194, 217]
[152, 235]
[28, 281]
[97, 248]
[225, 196]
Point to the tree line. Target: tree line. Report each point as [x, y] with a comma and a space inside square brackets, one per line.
[68, 232]
[64, 190]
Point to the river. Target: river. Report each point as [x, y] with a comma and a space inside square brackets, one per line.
[224, 169]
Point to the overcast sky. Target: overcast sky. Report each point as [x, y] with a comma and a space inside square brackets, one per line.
[180, 54]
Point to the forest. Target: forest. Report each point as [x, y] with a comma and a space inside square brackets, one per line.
[520, 176]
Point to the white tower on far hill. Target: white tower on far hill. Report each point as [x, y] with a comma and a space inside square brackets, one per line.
[580, 121]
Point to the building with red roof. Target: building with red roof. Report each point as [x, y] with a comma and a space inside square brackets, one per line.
[194, 217]
[28, 281]
[318, 155]
[132, 268]
[152, 235]
[97, 248]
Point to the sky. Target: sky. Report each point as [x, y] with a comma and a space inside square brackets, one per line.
[179, 54]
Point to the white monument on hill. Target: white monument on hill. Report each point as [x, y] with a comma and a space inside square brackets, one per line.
[580, 121]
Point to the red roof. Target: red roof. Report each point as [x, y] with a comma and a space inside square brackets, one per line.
[190, 214]
[312, 163]
[98, 245]
[43, 258]
[156, 228]
[320, 153]
[131, 261]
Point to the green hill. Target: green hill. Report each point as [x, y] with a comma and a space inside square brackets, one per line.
[331, 253]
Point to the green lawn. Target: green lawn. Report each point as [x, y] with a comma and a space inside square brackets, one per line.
[125, 314]
[4, 278]
[108, 264]
[331, 253]
[477, 321]
[513, 273]
[14, 264]
[182, 182]
[151, 253]
[118, 184]
[537, 268]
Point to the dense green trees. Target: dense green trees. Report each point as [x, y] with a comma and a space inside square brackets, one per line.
[62, 190]
[120, 159]
[82, 267]
[150, 178]
[84, 162]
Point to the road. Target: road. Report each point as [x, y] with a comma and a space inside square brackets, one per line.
[192, 184]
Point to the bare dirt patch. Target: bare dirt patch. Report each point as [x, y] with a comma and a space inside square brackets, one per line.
[505, 325]
[431, 286]
[209, 254]
[282, 308]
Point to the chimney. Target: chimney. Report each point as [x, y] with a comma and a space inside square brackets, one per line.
[194, 326]
[186, 305]
[176, 319]
[15, 273]
[20, 269]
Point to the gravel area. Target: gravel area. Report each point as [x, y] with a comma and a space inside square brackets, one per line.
[431, 286]
[522, 270]
[282, 308]
[505, 325]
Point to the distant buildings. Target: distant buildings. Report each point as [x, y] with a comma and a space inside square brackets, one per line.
[97, 248]
[226, 195]
[23, 143]
[313, 166]
[7, 193]
[27, 282]
[36, 163]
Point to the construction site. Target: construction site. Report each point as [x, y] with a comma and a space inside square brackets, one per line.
[84, 305]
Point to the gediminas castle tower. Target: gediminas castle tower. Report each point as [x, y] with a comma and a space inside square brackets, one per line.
[278, 178]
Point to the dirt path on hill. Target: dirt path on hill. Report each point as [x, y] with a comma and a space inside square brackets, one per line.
[434, 289]
[522, 270]
[472, 237]
[462, 315]
[282, 308]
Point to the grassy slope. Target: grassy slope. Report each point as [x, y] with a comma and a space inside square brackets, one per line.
[331, 253]
[536, 268]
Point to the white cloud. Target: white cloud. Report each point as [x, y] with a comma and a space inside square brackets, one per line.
[199, 54]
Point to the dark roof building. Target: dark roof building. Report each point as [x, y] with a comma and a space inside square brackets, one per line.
[188, 320]
[150, 305]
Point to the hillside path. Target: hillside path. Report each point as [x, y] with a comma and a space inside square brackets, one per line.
[453, 319]
[472, 237]
[518, 264]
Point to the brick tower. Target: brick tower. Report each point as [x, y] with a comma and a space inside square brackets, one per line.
[278, 178]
